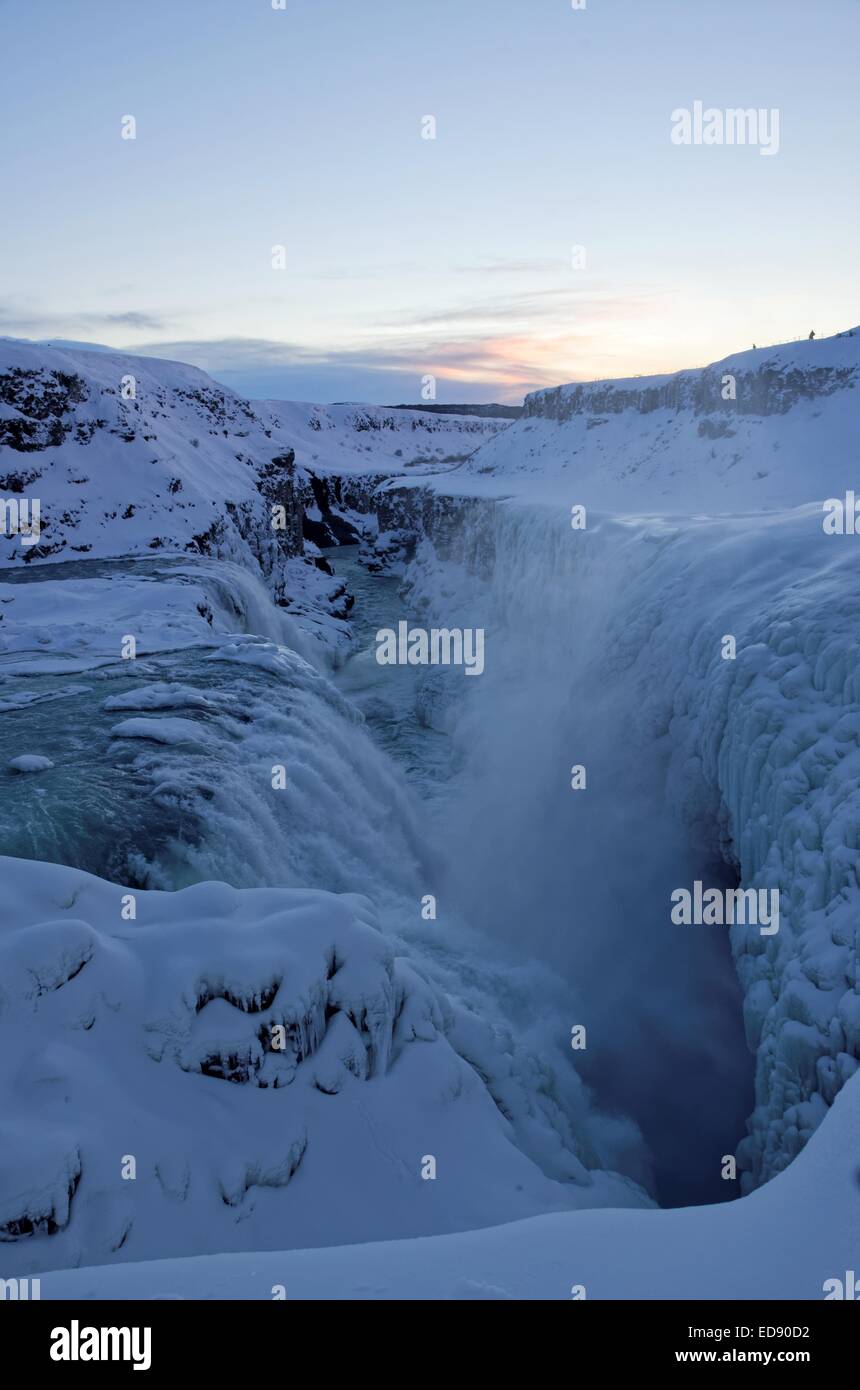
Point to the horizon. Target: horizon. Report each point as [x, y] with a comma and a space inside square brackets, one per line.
[70, 345]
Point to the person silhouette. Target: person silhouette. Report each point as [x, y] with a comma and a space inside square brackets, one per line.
[812, 335]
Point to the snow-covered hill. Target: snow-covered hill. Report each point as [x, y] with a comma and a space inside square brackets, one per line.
[133, 455]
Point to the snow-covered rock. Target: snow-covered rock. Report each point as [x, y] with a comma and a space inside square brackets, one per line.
[134, 456]
[30, 762]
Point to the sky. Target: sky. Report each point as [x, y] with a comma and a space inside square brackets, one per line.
[407, 258]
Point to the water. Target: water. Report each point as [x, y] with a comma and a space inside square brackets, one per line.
[157, 814]
[402, 782]
[582, 881]
[388, 696]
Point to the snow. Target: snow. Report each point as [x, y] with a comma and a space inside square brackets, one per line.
[674, 445]
[151, 1036]
[354, 439]
[159, 730]
[30, 762]
[783, 1242]
[162, 695]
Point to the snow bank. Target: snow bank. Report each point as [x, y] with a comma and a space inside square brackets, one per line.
[217, 1069]
[784, 1242]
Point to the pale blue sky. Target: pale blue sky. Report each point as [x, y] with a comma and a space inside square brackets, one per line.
[405, 256]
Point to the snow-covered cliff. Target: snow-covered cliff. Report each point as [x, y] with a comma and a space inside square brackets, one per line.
[606, 641]
[131, 455]
[763, 429]
[352, 438]
[606, 647]
[136, 456]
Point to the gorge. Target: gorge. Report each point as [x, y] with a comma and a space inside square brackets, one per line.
[300, 909]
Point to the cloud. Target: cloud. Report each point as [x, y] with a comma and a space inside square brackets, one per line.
[34, 323]
[380, 372]
[494, 347]
[557, 303]
[460, 359]
[132, 319]
[508, 344]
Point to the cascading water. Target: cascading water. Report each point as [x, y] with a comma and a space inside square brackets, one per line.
[165, 773]
[552, 904]
[581, 879]
[163, 765]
